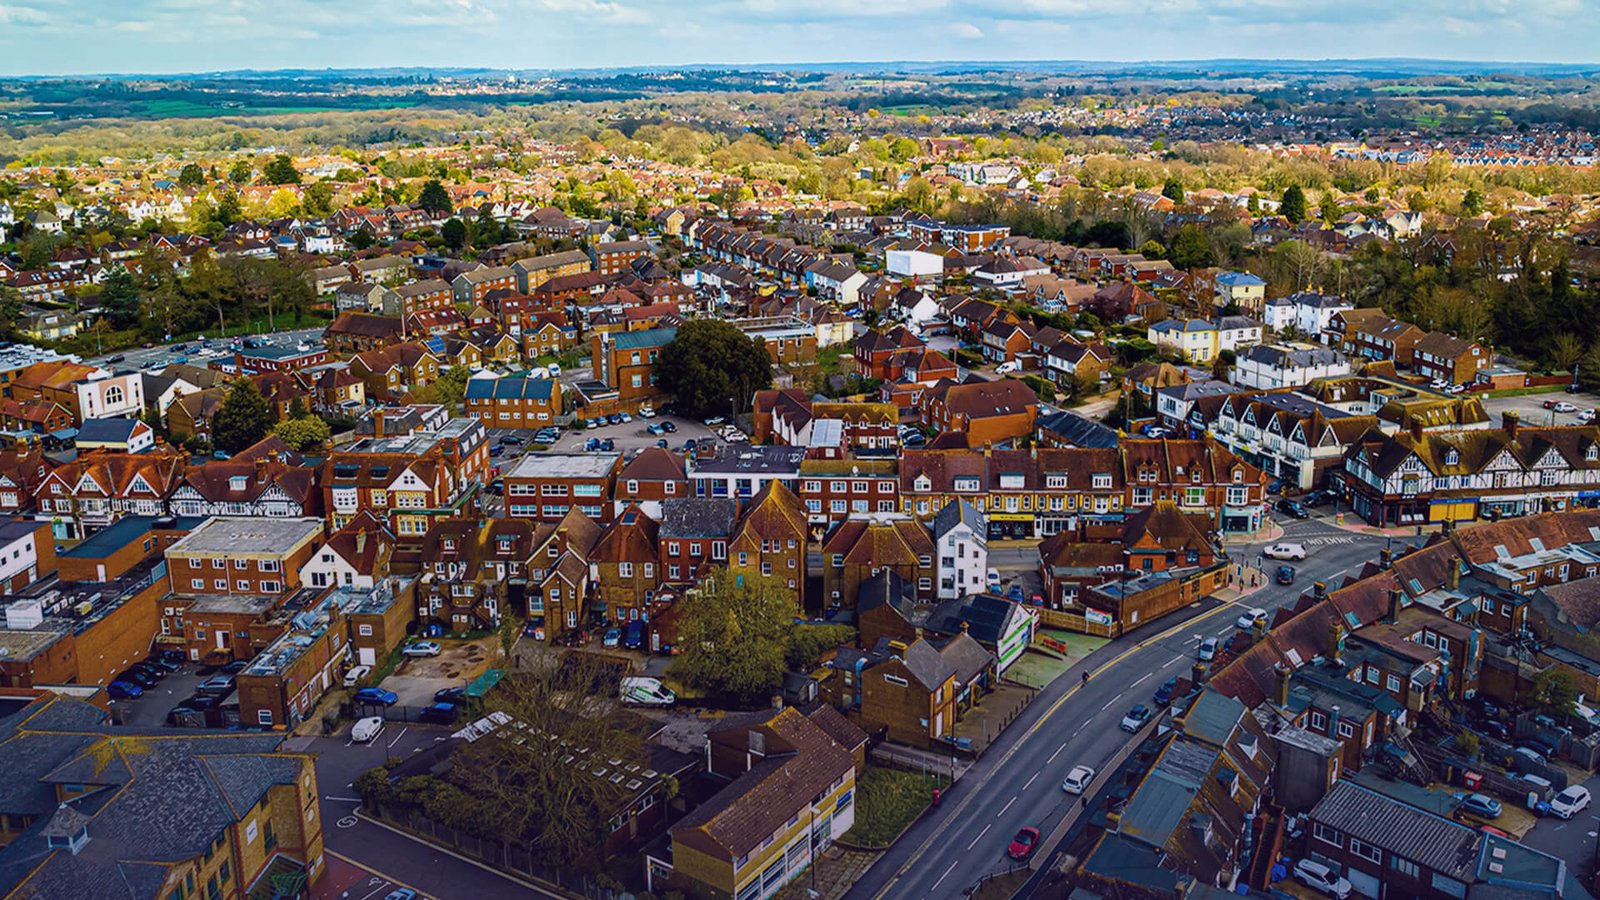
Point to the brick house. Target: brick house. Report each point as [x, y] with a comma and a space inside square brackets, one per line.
[513, 402]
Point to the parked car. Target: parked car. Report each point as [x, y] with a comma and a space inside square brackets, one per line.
[633, 635]
[1077, 779]
[669, 427]
[1570, 802]
[1563, 406]
[1015, 592]
[1531, 755]
[450, 695]
[1208, 649]
[1006, 368]
[1021, 846]
[496, 450]
[140, 678]
[554, 370]
[1289, 550]
[1481, 805]
[662, 443]
[217, 685]
[1585, 416]
[1136, 718]
[354, 676]
[202, 701]
[714, 421]
[607, 445]
[422, 648]
[612, 639]
[235, 667]
[614, 419]
[124, 690]
[1319, 877]
[624, 417]
[1549, 404]
[646, 412]
[438, 713]
[654, 428]
[1293, 509]
[366, 730]
[1276, 486]
[1163, 694]
[1248, 619]
[1285, 575]
[164, 662]
[511, 440]
[372, 696]
[591, 445]
[1318, 498]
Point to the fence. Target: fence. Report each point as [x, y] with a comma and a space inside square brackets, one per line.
[1057, 618]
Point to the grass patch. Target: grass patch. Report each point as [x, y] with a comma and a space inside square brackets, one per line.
[828, 358]
[887, 802]
[1529, 391]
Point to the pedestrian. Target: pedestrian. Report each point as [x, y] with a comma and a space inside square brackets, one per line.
[1085, 677]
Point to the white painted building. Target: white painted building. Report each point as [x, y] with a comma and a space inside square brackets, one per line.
[1273, 366]
[961, 538]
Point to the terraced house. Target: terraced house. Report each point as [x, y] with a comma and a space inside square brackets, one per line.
[1418, 476]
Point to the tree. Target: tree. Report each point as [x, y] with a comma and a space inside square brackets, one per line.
[711, 365]
[281, 170]
[1566, 350]
[119, 299]
[240, 171]
[318, 199]
[454, 233]
[243, 419]
[449, 389]
[434, 198]
[282, 204]
[1471, 203]
[1191, 249]
[1553, 690]
[191, 175]
[734, 637]
[1152, 249]
[309, 433]
[1293, 206]
[1173, 190]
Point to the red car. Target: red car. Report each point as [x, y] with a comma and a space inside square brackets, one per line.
[1022, 845]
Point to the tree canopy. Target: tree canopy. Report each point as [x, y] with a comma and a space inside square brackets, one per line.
[434, 198]
[711, 366]
[1293, 206]
[243, 419]
[281, 170]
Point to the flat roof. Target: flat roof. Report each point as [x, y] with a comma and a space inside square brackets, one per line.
[255, 534]
[565, 465]
[126, 530]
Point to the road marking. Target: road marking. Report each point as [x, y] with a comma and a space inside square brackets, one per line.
[397, 738]
[1142, 678]
[1004, 808]
[1031, 780]
[976, 840]
[948, 871]
[1109, 702]
[342, 799]
[1055, 754]
[381, 884]
[1038, 724]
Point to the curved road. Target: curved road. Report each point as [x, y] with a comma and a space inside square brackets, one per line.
[1018, 781]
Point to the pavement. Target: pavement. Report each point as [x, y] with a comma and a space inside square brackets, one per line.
[1071, 722]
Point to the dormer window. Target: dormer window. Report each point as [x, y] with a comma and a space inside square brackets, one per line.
[1452, 457]
[238, 482]
[1593, 453]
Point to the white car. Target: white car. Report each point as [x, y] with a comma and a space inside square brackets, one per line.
[1077, 779]
[1006, 368]
[646, 412]
[354, 676]
[1564, 406]
[366, 730]
[1585, 416]
[1571, 801]
[554, 370]
[1320, 878]
[421, 648]
[1248, 619]
[1285, 550]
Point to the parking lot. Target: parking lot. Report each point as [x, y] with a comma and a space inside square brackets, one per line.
[1530, 408]
[151, 709]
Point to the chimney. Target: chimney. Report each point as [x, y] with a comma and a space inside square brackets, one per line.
[1319, 589]
[261, 468]
[1197, 673]
[1283, 672]
[1336, 642]
[1454, 578]
[1258, 628]
[1416, 427]
[1394, 606]
[1385, 558]
[1333, 721]
[1509, 420]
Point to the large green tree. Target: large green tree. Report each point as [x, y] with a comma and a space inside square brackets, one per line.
[734, 637]
[1191, 248]
[119, 299]
[711, 366]
[245, 417]
[191, 175]
[318, 199]
[1293, 206]
[281, 170]
[434, 198]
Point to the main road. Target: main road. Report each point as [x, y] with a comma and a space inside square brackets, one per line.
[1018, 781]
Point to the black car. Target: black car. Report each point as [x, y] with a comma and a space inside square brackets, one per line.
[140, 677]
[450, 695]
[177, 714]
[154, 671]
[511, 439]
[235, 667]
[497, 488]
[201, 701]
[669, 428]
[1318, 498]
[614, 419]
[1292, 508]
[164, 662]
[439, 713]
[1285, 575]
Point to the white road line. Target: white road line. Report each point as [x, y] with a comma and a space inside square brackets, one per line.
[342, 799]
[974, 842]
[1030, 780]
[1004, 808]
[1141, 678]
[948, 871]
[397, 738]
[1055, 754]
[1109, 702]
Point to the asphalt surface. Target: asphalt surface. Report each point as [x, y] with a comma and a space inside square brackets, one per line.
[159, 356]
[1018, 781]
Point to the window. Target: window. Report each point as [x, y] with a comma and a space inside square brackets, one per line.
[1345, 731]
[1403, 866]
[1394, 684]
[1327, 835]
[625, 570]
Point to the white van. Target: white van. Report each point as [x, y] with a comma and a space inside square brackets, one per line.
[366, 730]
[647, 692]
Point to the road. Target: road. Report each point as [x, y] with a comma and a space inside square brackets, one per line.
[1017, 782]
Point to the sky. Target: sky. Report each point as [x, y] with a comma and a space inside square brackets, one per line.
[55, 37]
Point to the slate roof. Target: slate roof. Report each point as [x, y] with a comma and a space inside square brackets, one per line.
[689, 517]
[1432, 842]
[957, 512]
[1078, 431]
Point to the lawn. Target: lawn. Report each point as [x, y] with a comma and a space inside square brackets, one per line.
[887, 802]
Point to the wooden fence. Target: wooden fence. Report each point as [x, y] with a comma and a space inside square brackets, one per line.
[1069, 621]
